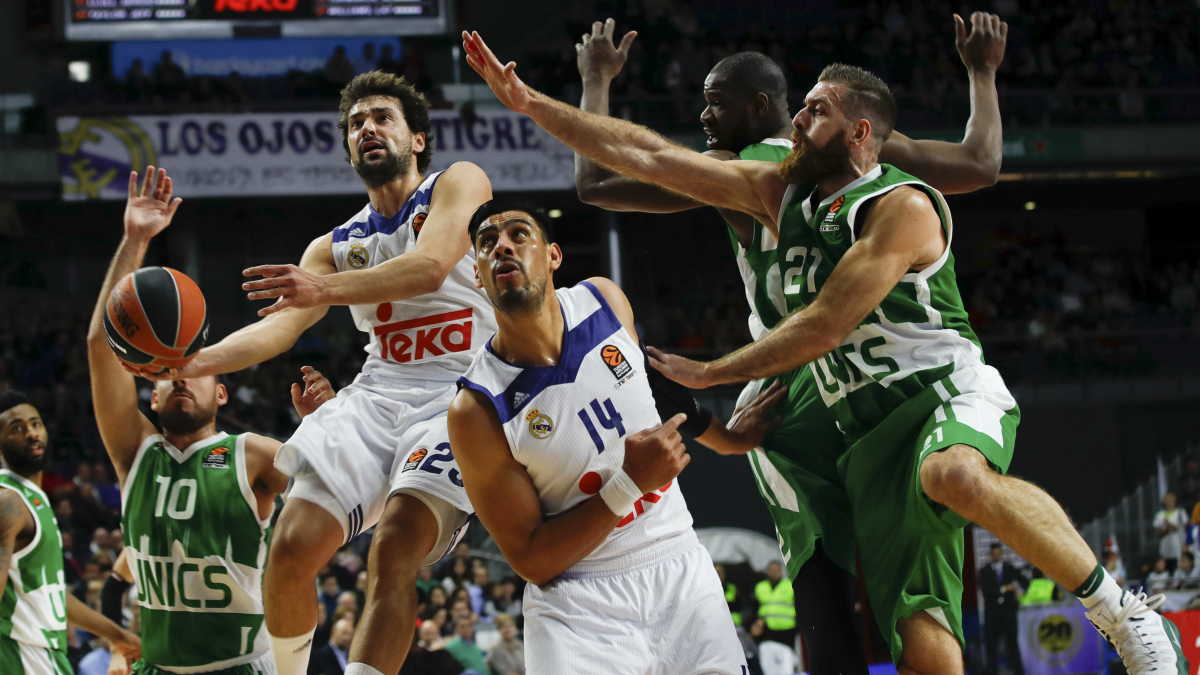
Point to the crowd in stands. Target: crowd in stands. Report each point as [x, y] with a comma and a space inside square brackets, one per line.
[1124, 47]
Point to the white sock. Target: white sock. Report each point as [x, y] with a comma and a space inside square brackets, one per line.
[291, 653]
[360, 669]
[1109, 593]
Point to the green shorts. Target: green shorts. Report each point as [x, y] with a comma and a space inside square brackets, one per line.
[911, 547]
[263, 665]
[21, 657]
[797, 474]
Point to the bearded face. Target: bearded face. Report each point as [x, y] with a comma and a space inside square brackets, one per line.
[187, 406]
[379, 163]
[24, 441]
[807, 164]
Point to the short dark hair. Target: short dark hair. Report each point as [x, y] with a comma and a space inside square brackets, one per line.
[754, 72]
[867, 97]
[11, 399]
[502, 204]
[413, 103]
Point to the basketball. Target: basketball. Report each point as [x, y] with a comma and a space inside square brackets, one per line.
[156, 319]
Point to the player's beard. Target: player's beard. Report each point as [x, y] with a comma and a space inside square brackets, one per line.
[525, 299]
[179, 422]
[808, 165]
[379, 173]
[20, 459]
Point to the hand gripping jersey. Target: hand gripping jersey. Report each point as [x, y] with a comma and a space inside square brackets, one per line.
[197, 549]
[567, 423]
[33, 610]
[431, 337]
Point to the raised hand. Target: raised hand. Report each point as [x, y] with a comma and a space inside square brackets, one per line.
[149, 210]
[316, 391]
[752, 422]
[503, 79]
[655, 456]
[983, 49]
[293, 285]
[596, 56]
[689, 373]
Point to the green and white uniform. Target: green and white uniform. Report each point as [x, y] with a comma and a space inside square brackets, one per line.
[796, 466]
[197, 550]
[33, 610]
[909, 381]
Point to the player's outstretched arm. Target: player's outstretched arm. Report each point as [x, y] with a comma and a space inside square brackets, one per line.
[975, 162]
[507, 503]
[148, 211]
[599, 62]
[442, 244]
[902, 232]
[94, 622]
[633, 150]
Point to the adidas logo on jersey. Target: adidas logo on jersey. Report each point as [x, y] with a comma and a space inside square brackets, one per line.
[358, 232]
[519, 398]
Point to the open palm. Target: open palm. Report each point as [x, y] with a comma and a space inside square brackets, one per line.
[503, 79]
[149, 210]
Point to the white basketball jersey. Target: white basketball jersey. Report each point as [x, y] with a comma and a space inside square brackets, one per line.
[431, 337]
[567, 423]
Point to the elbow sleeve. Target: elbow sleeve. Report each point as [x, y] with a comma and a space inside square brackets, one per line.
[110, 598]
[672, 398]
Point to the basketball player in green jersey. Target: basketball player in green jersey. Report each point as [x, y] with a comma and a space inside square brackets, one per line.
[796, 468]
[929, 427]
[196, 504]
[36, 607]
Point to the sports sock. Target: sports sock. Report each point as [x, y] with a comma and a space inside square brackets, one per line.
[1099, 588]
[360, 669]
[291, 653]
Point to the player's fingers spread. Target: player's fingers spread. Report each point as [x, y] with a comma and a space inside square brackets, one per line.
[610, 25]
[296, 396]
[174, 206]
[960, 28]
[597, 28]
[147, 181]
[133, 176]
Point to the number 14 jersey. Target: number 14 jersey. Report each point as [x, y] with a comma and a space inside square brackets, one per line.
[567, 423]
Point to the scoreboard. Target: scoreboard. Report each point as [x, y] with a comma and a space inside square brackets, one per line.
[158, 19]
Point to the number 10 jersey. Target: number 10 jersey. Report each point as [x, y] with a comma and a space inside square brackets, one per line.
[197, 550]
[567, 423]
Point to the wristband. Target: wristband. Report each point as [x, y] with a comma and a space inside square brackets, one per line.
[620, 493]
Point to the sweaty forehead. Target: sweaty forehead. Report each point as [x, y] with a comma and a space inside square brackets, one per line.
[365, 105]
[829, 92]
[503, 218]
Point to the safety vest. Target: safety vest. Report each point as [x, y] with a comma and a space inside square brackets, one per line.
[730, 598]
[776, 606]
[1040, 591]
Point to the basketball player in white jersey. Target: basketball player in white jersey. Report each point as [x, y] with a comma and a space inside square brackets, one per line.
[558, 434]
[379, 451]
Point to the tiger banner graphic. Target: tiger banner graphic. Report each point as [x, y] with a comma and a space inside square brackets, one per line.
[279, 154]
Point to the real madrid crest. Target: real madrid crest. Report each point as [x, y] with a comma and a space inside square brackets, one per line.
[358, 257]
[540, 424]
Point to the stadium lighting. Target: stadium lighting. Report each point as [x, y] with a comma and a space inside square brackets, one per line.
[1029, 206]
[80, 71]
[555, 213]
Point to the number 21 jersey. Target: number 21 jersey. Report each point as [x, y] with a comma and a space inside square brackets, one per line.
[567, 423]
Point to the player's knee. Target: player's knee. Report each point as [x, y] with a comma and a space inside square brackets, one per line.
[405, 535]
[954, 476]
[302, 542]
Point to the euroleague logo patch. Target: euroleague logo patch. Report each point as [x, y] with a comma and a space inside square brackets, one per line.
[414, 460]
[616, 362]
[418, 221]
[358, 257]
[218, 458]
[833, 211]
[540, 424]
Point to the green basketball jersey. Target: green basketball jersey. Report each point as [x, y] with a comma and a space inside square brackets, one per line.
[915, 337]
[796, 468]
[33, 609]
[197, 550]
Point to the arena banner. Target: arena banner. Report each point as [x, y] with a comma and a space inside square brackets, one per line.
[262, 154]
[250, 57]
[1058, 640]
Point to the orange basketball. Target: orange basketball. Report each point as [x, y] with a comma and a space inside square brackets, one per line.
[156, 319]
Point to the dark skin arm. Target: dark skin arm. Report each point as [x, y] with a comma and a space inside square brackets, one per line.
[902, 233]
[16, 529]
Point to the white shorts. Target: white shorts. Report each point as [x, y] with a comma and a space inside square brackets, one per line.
[344, 457]
[666, 617]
